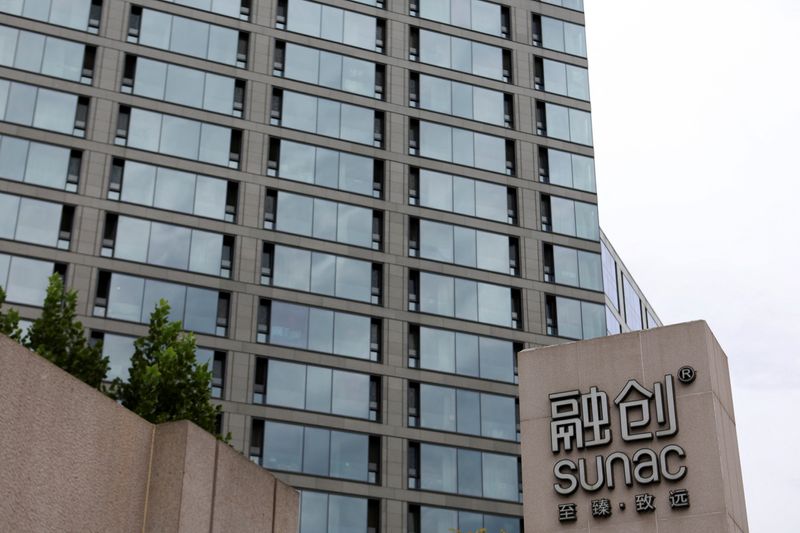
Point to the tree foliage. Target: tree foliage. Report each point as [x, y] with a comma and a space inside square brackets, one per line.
[9, 320]
[166, 381]
[57, 336]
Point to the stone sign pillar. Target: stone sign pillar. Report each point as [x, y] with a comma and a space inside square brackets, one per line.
[631, 433]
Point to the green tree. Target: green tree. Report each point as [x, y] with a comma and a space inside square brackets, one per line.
[58, 337]
[9, 321]
[166, 382]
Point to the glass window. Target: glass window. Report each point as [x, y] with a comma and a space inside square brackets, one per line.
[580, 320]
[567, 80]
[125, 297]
[37, 222]
[568, 124]
[633, 306]
[612, 324]
[349, 455]
[341, 26]
[578, 219]
[319, 390]
[283, 447]
[462, 147]
[570, 170]
[498, 417]
[437, 407]
[190, 37]
[563, 36]
[469, 472]
[324, 219]
[55, 111]
[461, 99]
[434, 519]
[47, 165]
[438, 470]
[133, 238]
[500, 477]
[26, 280]
[174, 189]
[286, 384]
[118, 349]
[461, 54]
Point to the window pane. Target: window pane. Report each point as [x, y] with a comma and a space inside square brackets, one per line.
[292, 268]
[294, 213]
[490, 153]
[487, 61]
[568, 314]
[497, 359]
[210, 197]
[295, 163]
[587, 226]
[201, 310]
[13, 154]
[436, 241]
[494, 304]
[353, 279]
[301, 63]
[144, 131]
[47, 165]
[313, 512]
[358, 76]
[354, 225]
[318, 390]
[437, 349]
[174, 294]
[125, 297]
[8, 41]
[356, 173]
[434, 94]
[464, 242]
[185, 85]
[351, 335]
[437, 468]
[591, 271]
[350, 394]
[286, 384]
[133, 236]
[349, 455]
[119, 350]
[206, 252]
[346, 515]
[222, 45]
[289, 326]
[493, 251]
[30, 49]
[299, 111]
[323, 273]
[434, 519]
[325, 223]
[359, 30]
[218, 95]
[434, 48]
[283, 447]
[491, 201]
[469, 412]
[9, 206]
[169, 245]
[174, 190]
[155, 29]
[304, 17]
[320, 330]
[498, 417]
[574, 39]
[560, 168]
[437, 294]
[466, 299]
[63, 59]
[28, 280]
[467, 355]
[580, 127]
[553, 34]
[21, 103]
[437, 407]
[500, 477]
[577, 82]
[594, 320]
[557, 121]
[435, 141]
[435, 190]
[469, 472]
[357, 124]
[583, 173]
[316, 460]
[464, 196]
[563, 215]
[38, 222]
[566, 265]
[179, 136]
[189, 37]
[55, 111]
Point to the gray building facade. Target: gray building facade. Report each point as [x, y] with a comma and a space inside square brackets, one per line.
[364, 210]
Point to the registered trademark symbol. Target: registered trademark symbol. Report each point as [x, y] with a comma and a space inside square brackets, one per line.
[686, 375]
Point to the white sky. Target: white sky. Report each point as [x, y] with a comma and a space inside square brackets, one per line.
[696, 110]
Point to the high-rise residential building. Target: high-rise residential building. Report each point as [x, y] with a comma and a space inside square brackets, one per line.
[363, 209]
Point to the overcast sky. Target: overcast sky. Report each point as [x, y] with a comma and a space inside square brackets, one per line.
[696, 111]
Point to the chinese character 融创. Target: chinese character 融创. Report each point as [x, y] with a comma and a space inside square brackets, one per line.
[575, 413]
[601, 508]
[567, 512]
[644, 503]
[679, 498]
[663, 395]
